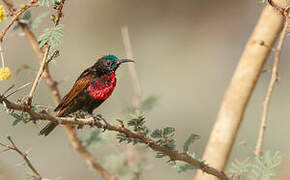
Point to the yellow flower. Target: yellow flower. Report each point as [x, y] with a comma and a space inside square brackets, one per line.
[2, 13]
[5, 73]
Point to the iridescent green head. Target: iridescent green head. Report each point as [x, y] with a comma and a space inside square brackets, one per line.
[110, 63]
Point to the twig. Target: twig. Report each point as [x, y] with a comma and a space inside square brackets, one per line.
[173, 155]
[2, 57]
[132, 68]
[240, 89]
[23, 155]
[18, 89]
[38, 76]
[30, 4]
[271, 85]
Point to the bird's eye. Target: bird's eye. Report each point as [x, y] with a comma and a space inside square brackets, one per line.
[108, 63]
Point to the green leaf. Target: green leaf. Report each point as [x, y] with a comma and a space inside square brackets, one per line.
[160, 155]
[157, 133]
[182, 167]
[190, 140]
[94, 137]
[167, 131]
[261, 1]
[257, 168]
[23, 117]
[239, 168]
[26, 15]
[148, 103]
[16, 121]
[38, 20]
[171, 144]
[44, 3]
[52, 36]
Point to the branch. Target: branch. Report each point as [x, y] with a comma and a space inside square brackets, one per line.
[240, 89]
[56, 95]
[23, 155]
[39, 74]
[31, 3]
[173, 155]
[132, 68]
[274, 78]
[77, 144]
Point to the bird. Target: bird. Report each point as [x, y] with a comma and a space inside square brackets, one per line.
[90, 90]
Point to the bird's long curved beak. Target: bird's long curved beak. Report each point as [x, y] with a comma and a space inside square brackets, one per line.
[120, 61]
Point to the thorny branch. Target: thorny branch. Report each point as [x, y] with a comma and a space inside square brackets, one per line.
[23, 155]
[174, 156]
[56, 95]
[274, 78]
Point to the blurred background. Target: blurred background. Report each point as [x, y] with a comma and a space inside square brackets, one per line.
[185, 53]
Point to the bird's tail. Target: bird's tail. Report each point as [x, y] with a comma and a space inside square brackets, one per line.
[48, 128]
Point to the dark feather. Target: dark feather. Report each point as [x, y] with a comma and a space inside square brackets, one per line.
[81, 84]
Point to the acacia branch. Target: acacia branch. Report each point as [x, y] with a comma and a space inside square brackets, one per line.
[52, 84]
[274, 78]
[173, 155]
[30, 4]
[23, 155]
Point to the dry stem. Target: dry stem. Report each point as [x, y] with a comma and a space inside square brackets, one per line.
[38, 76]
[2, 57]
[271, 85]
[173, 155]
[23, 155]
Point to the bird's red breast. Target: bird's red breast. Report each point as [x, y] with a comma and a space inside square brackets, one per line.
[102, 88]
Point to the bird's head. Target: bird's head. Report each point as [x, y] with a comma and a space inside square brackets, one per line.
[110, 63]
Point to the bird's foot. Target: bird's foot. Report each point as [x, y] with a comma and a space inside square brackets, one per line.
[98, 118]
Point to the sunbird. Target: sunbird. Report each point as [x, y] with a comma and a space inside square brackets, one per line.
[90, 90]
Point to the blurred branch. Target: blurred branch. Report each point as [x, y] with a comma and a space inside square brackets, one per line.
[72, 135]
[274, 78]
[173, 155]
[132, 68]
[23, 155]
[30, 4]
[77, 144]
[136, 99]
[241, 88]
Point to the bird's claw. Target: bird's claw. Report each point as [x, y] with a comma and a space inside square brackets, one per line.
[99, 117]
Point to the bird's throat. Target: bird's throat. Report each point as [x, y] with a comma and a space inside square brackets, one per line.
[102, 88]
